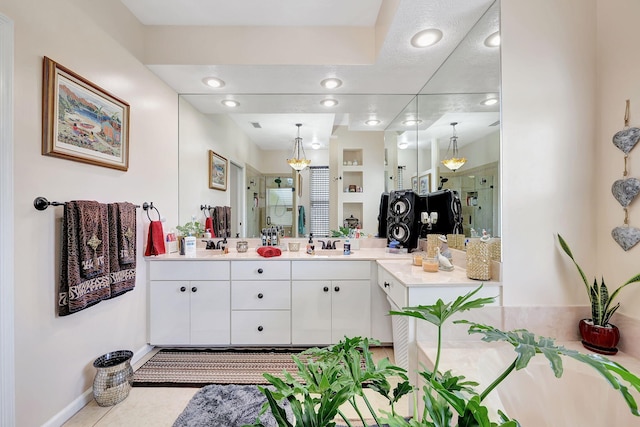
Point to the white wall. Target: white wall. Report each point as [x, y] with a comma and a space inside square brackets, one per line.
[198, 135]
[54, 355]
[548, 148]
[618, 70]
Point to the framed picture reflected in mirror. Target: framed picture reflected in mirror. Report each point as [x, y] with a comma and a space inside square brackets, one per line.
[218, 171]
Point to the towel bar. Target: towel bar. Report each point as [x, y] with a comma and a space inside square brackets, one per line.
[41, 203]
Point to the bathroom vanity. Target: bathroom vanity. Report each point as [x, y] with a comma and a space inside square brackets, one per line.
[406, 285]
[296, 299]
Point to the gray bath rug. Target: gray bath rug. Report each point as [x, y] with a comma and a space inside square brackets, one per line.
[227, 405]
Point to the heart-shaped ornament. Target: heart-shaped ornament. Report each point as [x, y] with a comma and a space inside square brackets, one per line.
[625, 190]
[626, 139]
[626, 237]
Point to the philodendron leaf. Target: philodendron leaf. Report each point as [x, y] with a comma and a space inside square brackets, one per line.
[278, 413]
[616, 375]
[475, 414]
[506, 421]
[524, 343]
[439, 312]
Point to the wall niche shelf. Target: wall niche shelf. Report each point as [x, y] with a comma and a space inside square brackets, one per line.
[352, 158]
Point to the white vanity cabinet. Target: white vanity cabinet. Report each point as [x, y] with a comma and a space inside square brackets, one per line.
[330, 299]
[260, 302]
[189, 303]
[406, 285]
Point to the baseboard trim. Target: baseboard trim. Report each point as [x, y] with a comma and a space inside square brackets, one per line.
[87, 396]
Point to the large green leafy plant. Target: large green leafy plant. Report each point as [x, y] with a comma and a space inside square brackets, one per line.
[602, 303]
[335, 375]
[191, 228]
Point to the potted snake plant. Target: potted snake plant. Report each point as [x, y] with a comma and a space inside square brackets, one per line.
[597, 333]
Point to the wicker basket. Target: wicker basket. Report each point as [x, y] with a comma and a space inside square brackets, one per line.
[455, 241]
[433, 243]
[478, 260]
[495, 249]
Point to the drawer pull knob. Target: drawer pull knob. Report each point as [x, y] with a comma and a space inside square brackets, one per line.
[194, 289]
[260, 328]
[260, 296]
[326, 289]
[260, 271]
[386, 284]
[182, 289]
[337, 289]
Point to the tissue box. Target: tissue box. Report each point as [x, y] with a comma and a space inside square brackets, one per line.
[171, 246]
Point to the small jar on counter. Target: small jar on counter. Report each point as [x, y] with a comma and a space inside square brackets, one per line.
[430, 264]
[417, 258]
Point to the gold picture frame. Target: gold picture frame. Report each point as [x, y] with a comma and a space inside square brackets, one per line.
[81, 121]
[414, 184]
[424, 184]
[218, 171]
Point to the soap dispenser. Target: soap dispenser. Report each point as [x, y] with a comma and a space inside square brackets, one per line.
[310, 247]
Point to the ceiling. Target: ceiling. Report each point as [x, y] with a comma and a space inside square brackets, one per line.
[272, 55]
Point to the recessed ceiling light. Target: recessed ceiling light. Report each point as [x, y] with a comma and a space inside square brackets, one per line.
[315, 145]
[372, 122]
[493, 40]
[403, 144]
[426, 38]
[230, 103]
[412, 122]
[213, 82]
[331, 83]
[329, 102]
[489, 101]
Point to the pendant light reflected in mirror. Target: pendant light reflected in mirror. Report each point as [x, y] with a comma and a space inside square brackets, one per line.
[453, 162]
[298, 160]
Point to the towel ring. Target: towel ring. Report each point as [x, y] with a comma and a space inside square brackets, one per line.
[148, 206]
[206, 209]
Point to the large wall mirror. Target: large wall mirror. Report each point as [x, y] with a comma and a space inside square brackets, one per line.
[403, 150]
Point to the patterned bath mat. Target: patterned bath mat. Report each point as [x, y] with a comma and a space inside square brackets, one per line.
[197, 368]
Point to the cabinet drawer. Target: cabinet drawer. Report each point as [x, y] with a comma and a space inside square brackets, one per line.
[384, 280]
[260, 270]
[330, 270]
[261, 327]
[189, 270]
[261, 295]
[392, 287]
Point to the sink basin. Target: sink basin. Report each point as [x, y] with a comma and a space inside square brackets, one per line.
[210, 253]
[329, 252]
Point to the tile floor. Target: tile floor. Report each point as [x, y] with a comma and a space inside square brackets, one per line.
[159, 406]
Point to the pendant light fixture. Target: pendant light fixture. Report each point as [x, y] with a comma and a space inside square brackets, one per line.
[454, 162]
[298, 160]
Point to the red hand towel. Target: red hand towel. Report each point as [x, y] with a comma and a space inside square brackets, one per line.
[269, 251]
[155, 240]
[208, 225]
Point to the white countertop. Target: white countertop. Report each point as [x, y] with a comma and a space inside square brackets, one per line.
[369, 254]
[412, 276]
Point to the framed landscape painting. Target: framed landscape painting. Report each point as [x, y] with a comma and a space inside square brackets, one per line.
[424, 184]
[218, 171]
[81, 121]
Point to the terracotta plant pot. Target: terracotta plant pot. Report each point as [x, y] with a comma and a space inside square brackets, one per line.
[601, 339]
